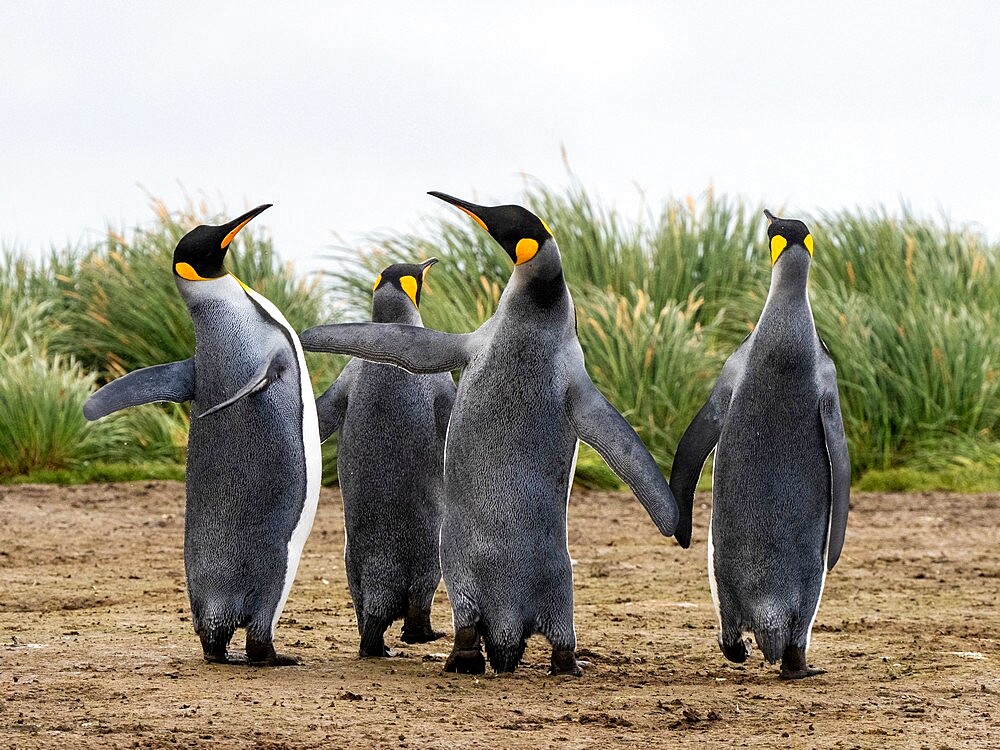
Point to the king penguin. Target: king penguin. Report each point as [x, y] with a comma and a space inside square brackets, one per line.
[253, 459]
[390, 459]
[782, 475]
[524, 401]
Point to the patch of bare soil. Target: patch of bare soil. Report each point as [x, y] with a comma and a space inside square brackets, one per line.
[97, 650]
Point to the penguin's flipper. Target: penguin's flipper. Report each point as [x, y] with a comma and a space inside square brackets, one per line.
[840, 471]
[603, 428]
[173, 381]
[332, 405]
[269, 371]
[698, 441]
[414, 348]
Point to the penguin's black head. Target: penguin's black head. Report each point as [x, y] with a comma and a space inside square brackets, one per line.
[518, 231]
[407, 278]
[200, 253]
[782, 233]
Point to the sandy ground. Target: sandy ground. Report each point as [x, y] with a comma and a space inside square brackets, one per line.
[98, 651]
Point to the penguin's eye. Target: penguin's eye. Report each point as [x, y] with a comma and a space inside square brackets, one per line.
[377, 282]
[778, 243]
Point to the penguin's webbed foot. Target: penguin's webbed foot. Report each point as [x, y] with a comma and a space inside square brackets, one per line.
[794, 666]
[737, 651]
[423, 635]
[466, 655]
[564, 661]
[798, 674]
[220, 658]
[262, 654]
[466, 661]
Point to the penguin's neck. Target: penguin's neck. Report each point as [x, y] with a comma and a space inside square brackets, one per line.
[786, 332]
[398, 309]
[539, 285]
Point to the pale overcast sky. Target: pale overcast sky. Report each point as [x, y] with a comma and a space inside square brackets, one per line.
[344, 114]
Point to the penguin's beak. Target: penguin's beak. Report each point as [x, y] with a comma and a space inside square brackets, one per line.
[233, 227]
[476, 212]
[425, 267]
[770, 217]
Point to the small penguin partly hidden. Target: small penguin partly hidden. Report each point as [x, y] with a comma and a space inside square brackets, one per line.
[253, 459]
[524, 401]
[782, 475]
[390, 458]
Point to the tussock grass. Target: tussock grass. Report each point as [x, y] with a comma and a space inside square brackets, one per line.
[117, 306]
[910, 309]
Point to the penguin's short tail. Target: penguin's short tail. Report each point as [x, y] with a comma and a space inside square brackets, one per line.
[772, 642]
[504, 657]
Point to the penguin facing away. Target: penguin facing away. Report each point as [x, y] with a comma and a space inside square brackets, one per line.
[524, 401]
[782, 475]
[390, 460]
[253, 461]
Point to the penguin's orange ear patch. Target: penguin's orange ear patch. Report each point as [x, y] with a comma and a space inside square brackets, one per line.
[808, 242]
[525, 250]
[377, 282]
[778, 243]
[186, 271]
[409, 285]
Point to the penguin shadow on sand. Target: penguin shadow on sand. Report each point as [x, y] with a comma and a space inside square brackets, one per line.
[781, 475]
[253, 458]
[524, 401]
[390, 463]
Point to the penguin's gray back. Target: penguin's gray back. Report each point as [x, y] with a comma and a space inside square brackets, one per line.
[510, 455]
[389, 461]
[771, 483]
[253, 468]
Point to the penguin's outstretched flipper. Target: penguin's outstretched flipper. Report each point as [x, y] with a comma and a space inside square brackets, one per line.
[603, 428]
[699, 439]
[173, 381]
[419, 350]
[840, 463]
[270, 370]
[332, 405]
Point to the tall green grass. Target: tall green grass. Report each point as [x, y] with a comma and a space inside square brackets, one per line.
[910, 309]
[86, 315]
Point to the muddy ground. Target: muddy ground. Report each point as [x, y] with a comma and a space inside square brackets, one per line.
[97, 648]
